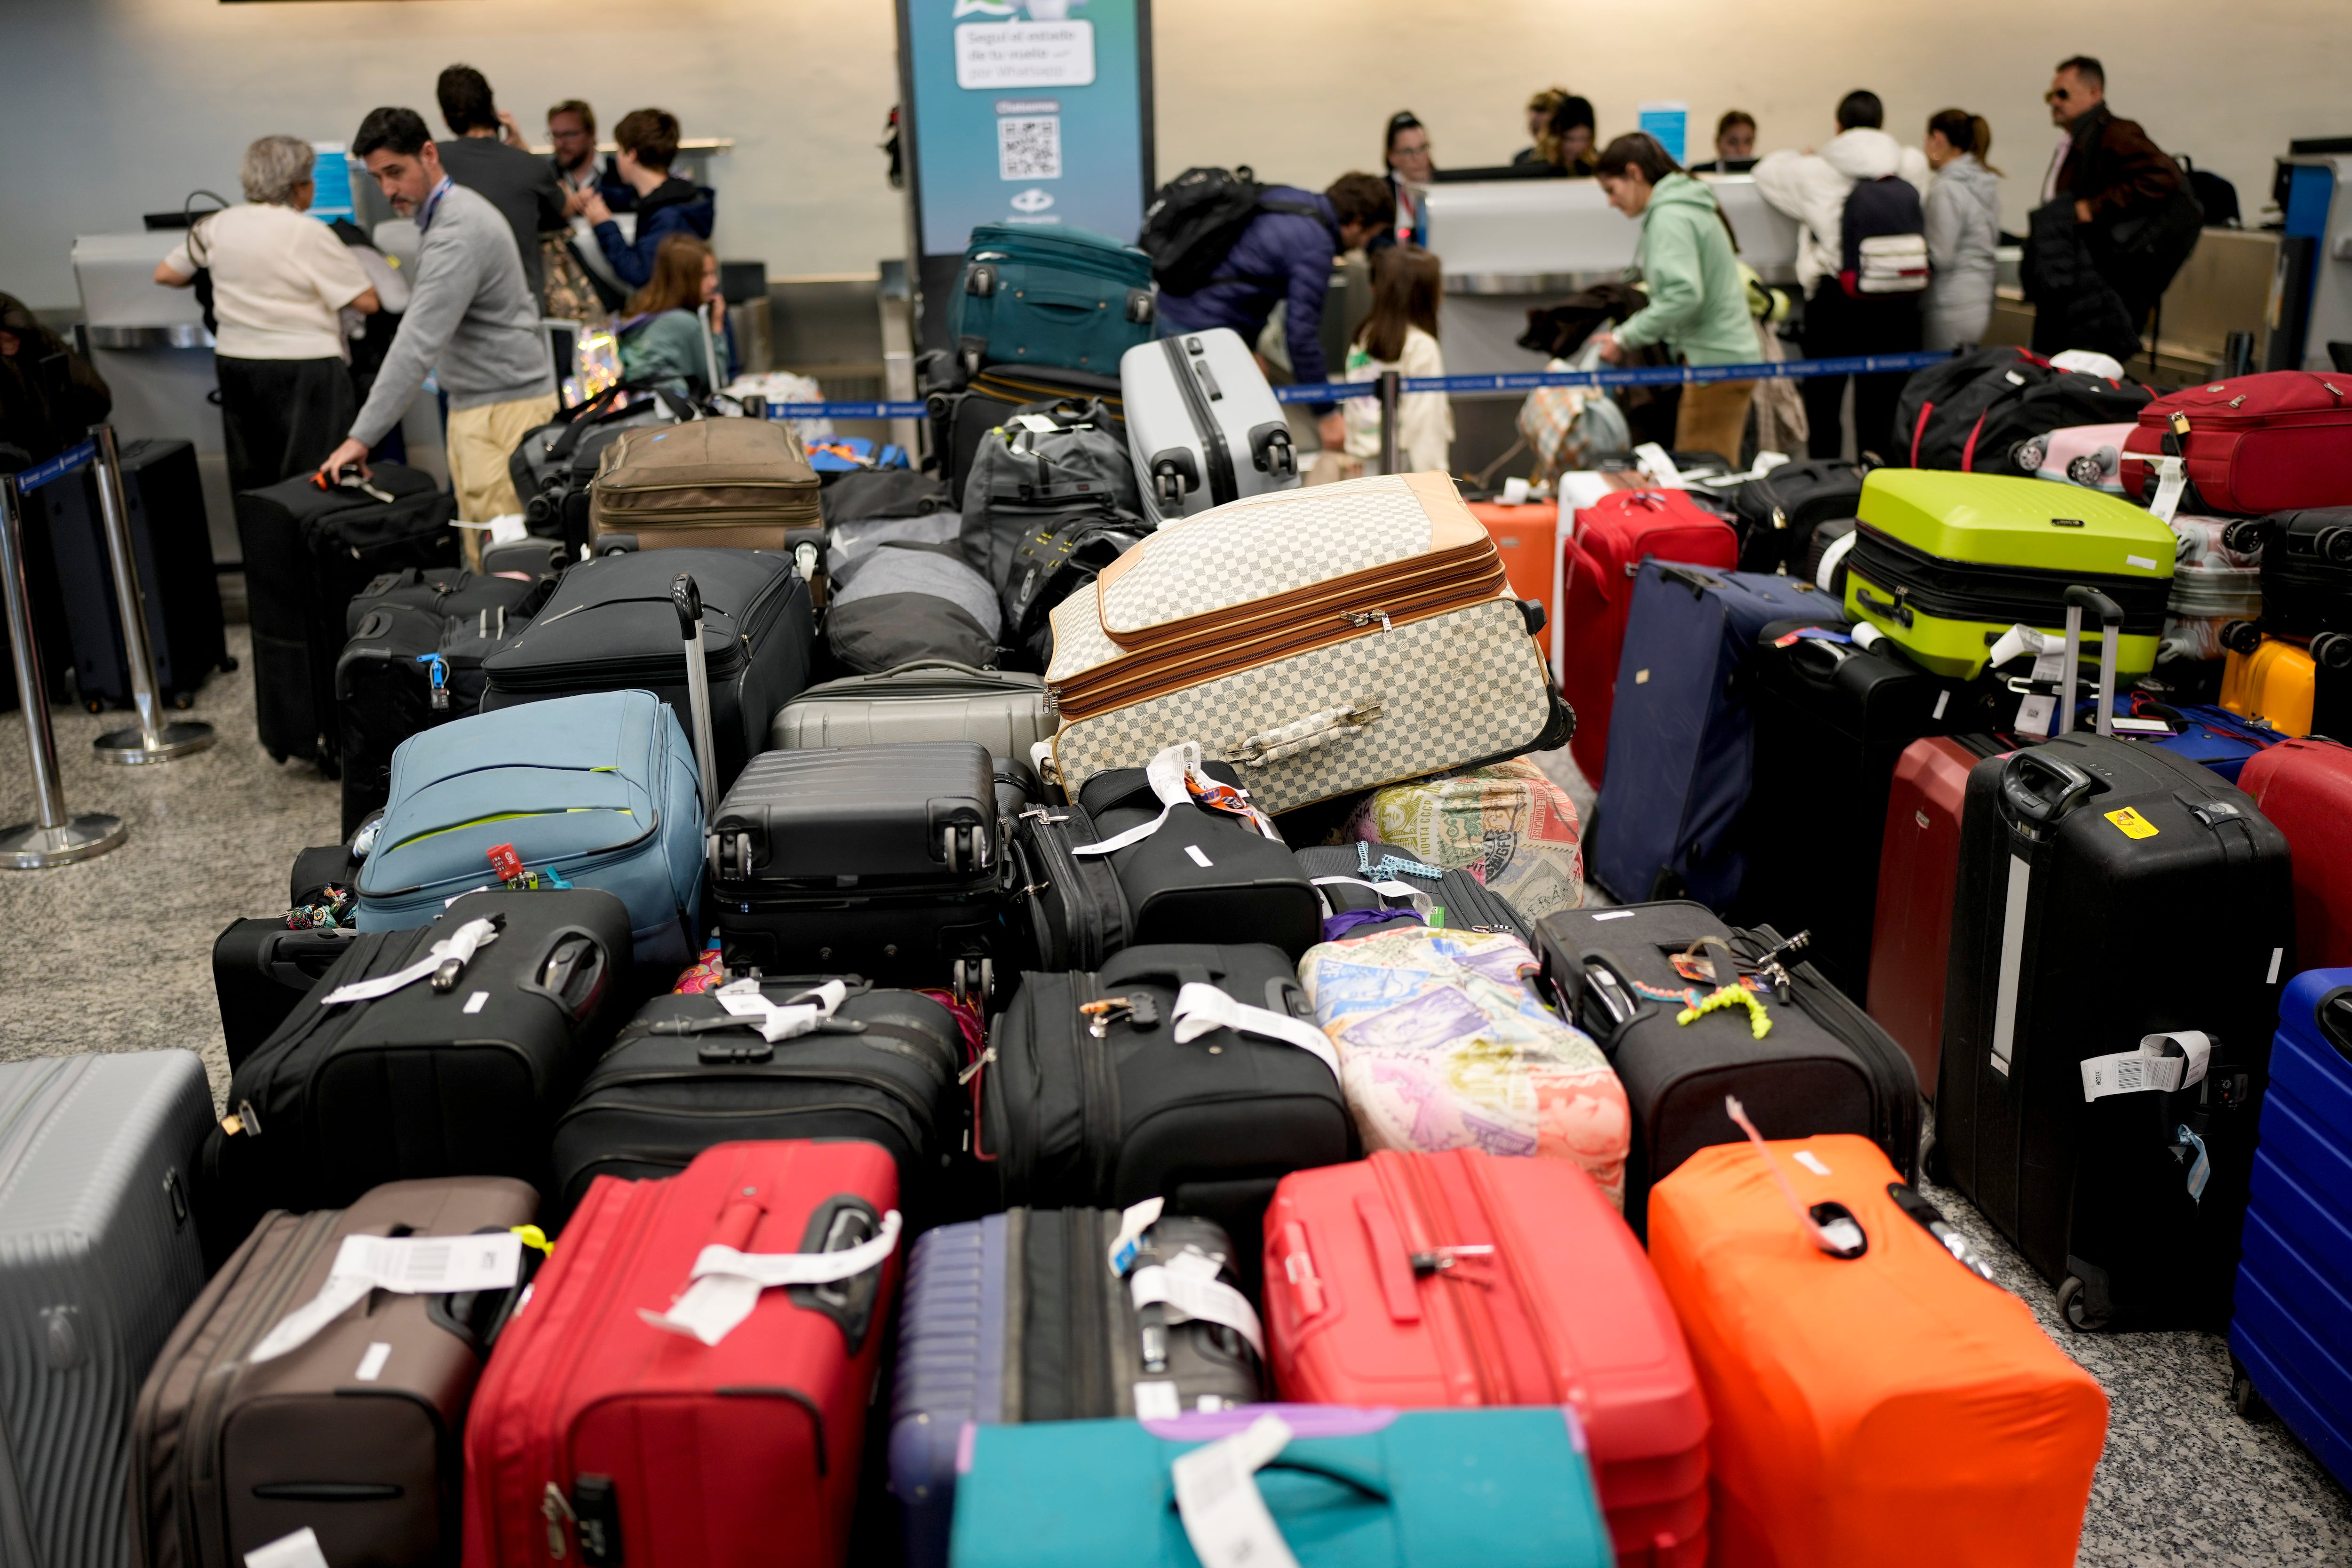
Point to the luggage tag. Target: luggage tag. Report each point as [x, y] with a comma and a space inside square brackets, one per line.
[299, 1550]
[804, 1012]
[1132, 1223]
[445, 963]
[1200, 1007]
[1830, 1226]
[2040, 706]
[724, 1284]
[1177, 778]
[1651, 459]
[2169, 1062]
[1187, 1288]
[1223, 1513]
[2201, 1170]
[408, 1265]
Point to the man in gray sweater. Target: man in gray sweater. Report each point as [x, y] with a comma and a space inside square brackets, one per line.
[470, 319]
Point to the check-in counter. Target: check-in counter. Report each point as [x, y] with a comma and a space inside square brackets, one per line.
[1510, 245]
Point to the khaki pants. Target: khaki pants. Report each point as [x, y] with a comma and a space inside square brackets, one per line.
[1712, 418]
[481, 439]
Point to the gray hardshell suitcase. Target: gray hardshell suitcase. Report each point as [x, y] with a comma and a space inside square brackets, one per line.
[1203, 426]
[926, 699]
[97, 1260]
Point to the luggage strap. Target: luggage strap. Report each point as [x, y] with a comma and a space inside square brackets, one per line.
[1177, 779]
[444, 962]
[724, 1284]
[1200, 1007]
[1186, 1287]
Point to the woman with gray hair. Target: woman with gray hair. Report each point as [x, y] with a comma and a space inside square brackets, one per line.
[280, 282]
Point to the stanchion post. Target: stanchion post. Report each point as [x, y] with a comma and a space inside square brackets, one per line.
[1390, 388]
[154, 740]
[55, 838]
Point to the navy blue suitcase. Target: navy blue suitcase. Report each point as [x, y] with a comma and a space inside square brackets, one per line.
[1682, 737]
[1018, 1317]
[2290, 1334]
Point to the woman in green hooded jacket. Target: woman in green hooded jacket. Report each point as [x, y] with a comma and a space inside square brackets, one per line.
[662, 340]
[1698, 302]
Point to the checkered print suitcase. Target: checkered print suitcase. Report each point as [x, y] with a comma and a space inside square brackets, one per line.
[1323, 640]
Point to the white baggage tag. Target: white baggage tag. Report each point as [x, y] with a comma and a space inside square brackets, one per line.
[460, 944]
[1156, 1400]
[724, 1284]
[2167, 1062]
[299, 1550]
[2172, 478]
[1035, 424]
[782, 1020]
[1200, 1007]
[2036, 711]
[1166, 774]
[1514, 491]
[1651, 459]
[1132, 1224]
[409, 1265]
[1223, 1513]
[1831, 558]
[1182, 1287]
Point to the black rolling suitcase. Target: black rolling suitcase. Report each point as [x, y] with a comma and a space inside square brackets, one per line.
[1197, 872]
[460, 1071]
[261, 972]
[2079, 859]
[884, 861]
[1832, 719]
[1093, 1093]
[307, 550]
[2307, 569]
[163, 503]
[1778, 512]
[1823, 1067]
[685, 1074]
[610, 626]
[414, 660]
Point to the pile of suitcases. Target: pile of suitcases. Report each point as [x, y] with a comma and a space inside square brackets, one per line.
[1188, 1071]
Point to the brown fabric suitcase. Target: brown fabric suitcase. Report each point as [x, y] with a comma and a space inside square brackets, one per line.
[739, 484]
[356, 1434]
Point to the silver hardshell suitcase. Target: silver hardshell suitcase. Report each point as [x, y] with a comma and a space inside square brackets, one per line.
[98, 1257]
[928, 699]
[1202, 425]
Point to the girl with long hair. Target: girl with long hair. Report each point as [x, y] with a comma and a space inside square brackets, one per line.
[1399, 333]
[662, 340]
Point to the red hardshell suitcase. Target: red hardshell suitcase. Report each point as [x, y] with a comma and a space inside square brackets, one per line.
[2269, 442]
[1919, 870]
[598, 1438]
[1611, 539]
[2305, 787]
[1464, 1278]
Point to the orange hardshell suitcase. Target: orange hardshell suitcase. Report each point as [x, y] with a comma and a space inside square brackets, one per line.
[1888, 1408]
[1527, 538]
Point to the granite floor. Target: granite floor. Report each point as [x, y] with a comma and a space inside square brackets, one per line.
[115, 954]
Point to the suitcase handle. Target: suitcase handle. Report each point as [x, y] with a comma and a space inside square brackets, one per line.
[2027, 806]
[2333, 1016]
[686, 599]
[2079, 598]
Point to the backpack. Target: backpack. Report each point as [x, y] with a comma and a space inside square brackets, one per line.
[1046, 460]
[1883, 238]
[1971, 413]
[1778, 510]
[1194, 220]
[1060, 556]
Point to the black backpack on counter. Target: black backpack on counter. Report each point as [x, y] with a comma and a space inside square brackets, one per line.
[1195, 218]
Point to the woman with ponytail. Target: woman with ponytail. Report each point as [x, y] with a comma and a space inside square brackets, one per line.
[1963, 224]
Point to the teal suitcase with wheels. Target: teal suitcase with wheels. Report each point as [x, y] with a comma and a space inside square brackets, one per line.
[1056, 297]
[1497, 1487]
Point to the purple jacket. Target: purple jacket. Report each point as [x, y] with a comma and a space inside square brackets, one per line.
[1280, 255]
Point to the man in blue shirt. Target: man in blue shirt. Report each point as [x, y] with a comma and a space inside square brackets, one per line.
[1285, 255]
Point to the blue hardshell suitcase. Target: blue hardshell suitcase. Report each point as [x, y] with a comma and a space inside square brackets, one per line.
[1507, 1487]
[2290, 1334]
[601, 789]
[1059, 296]
[1681, 736]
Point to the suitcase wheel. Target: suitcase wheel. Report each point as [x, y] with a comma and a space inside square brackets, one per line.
[975, 980]
[2074, 1305]
[93, 704]
[183, 700]
[2243, 1398]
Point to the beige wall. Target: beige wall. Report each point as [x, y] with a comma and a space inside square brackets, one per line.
[116, 107]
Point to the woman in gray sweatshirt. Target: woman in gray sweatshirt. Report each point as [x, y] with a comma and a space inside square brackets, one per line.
[1963, 223]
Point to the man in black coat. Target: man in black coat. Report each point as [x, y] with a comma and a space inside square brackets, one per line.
[2137, 221]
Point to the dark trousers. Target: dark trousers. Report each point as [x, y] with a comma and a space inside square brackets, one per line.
[1837, 324]
[280, 418]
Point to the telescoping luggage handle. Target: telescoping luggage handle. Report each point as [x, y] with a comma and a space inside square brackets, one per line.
[687, 600]
[2111, 619]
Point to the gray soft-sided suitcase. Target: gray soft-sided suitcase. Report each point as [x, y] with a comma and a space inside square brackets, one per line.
[1202, 425]
[97, 1260]
[926, 699]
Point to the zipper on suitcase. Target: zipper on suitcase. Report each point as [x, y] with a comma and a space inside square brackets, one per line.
[1435, 1214]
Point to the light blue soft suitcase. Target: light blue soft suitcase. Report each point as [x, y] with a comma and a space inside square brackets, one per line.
[600, 789]
[1507, 1487]
[2291, 1333]
[1059, 296]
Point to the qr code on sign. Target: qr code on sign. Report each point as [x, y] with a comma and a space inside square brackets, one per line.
[1030, 148]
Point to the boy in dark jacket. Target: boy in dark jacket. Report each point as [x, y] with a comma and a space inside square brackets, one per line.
[648, 140]
[1285, 255]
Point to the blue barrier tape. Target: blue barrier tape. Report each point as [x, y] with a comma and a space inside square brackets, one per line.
[847, 410]
[1651, 376]
[64, 463]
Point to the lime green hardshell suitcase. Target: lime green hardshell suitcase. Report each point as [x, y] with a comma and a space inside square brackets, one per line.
[1944, 563]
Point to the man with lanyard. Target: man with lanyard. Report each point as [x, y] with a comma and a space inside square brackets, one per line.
[471, 321]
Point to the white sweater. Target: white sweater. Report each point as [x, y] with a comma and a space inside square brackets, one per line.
[1811, 187]
[1424, 419]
